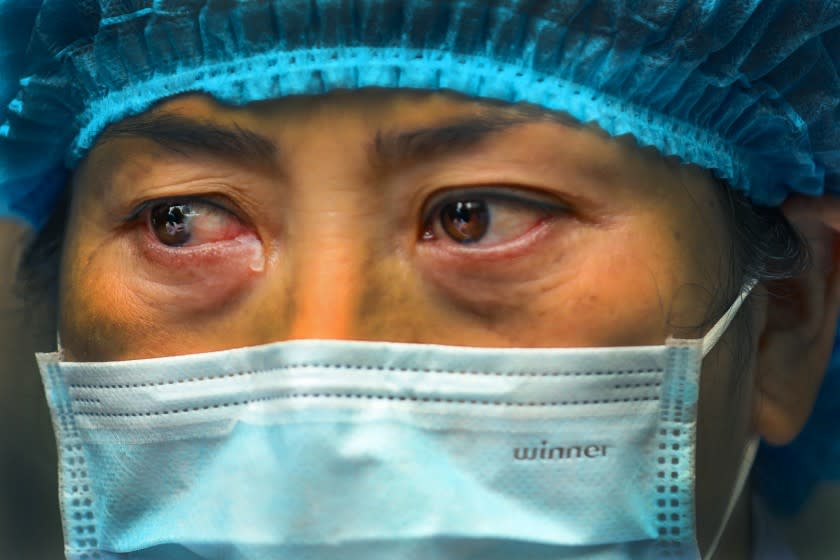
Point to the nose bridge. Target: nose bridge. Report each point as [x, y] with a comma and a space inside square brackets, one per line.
[335, 221]
[332, 236]
[327, 289]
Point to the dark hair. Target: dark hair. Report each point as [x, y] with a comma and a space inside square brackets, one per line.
[39, 265]
[765, 247]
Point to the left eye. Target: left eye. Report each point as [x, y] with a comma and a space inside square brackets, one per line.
[179, 224]
[485, 218]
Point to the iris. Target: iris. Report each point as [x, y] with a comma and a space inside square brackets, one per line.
[465, 221]
[171, 223]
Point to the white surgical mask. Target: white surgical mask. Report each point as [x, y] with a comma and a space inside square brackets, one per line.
[368, 450]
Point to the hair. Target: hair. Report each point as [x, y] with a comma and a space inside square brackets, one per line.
[38, 272]
[764, 247]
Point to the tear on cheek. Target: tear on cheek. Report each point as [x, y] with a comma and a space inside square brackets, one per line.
[202, 277]
[253, 251]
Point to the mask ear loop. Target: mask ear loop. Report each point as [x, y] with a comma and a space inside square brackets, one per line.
[740, 482]
[716, 332]
[709, 341]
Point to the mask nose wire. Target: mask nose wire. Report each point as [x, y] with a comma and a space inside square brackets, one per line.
[712, 337]
[716, 332]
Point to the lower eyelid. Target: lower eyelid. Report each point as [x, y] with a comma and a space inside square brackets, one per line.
[245, 250]
[520, 246]
[182, 283]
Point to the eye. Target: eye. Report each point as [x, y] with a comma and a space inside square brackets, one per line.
[191, 223]
[481, 217]
[465, 221]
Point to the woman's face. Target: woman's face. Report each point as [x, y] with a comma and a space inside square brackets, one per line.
[397, 217]
[379, 217]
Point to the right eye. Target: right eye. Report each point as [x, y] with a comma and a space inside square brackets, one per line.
[192, 223]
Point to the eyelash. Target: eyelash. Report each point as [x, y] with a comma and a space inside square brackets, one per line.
[537, 201]
[209, 200]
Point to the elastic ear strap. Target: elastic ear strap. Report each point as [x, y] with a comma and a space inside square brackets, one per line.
[740, 481]
[713, 336]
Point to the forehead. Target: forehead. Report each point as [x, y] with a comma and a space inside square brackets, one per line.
[361, 111]
[393, 121]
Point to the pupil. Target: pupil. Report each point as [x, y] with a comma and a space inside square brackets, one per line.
[170, 223]
[465, 221]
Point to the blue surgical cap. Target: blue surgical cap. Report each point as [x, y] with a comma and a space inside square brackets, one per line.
[746, 88]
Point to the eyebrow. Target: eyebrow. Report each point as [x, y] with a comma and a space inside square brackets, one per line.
[185, 136]
[394, 148]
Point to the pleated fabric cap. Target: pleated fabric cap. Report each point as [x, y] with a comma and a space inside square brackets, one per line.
[746, 88]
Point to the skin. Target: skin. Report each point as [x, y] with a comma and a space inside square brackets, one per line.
[326, 241]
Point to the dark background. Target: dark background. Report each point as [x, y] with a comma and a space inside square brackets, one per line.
[30, 526]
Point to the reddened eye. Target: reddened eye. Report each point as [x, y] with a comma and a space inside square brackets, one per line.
[191, 223]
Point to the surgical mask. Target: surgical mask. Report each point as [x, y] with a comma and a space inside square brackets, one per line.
[328, 450]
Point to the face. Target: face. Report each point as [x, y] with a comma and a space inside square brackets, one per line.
[379, 217]
[398, 217]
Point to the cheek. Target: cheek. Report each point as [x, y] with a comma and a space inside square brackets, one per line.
[194, 280]
[576, 299]
[112, 307]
